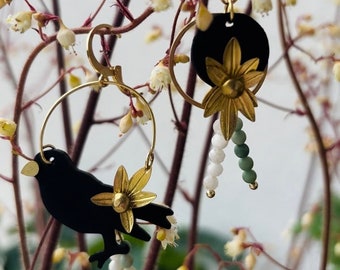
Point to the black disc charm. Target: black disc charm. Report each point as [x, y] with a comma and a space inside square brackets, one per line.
[212, 42]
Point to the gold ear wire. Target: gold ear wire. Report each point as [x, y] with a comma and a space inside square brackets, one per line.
[108, 76]
[172, 64]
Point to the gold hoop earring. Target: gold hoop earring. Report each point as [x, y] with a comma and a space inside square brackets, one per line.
[79, 200]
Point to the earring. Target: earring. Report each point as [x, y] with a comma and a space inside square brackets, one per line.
[79, 200]
[233, 63]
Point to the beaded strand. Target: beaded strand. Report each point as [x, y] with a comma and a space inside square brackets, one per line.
[216, 157]
[241, 150]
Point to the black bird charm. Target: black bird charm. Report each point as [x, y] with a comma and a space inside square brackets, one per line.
[79, 200]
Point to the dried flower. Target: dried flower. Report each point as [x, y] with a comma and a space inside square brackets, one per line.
[160, 5]
[7, 128]
[231, 92]
[127, 195]
[203, 17]
[21, 21]
[262, 6]
[160, 77]
[66, 37]
[168, 236]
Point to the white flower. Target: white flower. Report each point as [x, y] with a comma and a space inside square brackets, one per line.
[160, 77]
[236, 246]
[21, 21]
[145, 113]
[336, 70]
[7, 128]
[168, 236]
[262, 6]
[160, 5]
[66, 37]
[121, 262]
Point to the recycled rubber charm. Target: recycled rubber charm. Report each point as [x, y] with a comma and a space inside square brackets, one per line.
[212, 42]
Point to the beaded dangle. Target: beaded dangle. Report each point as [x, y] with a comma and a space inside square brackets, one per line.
[230, 54]
[241, 150]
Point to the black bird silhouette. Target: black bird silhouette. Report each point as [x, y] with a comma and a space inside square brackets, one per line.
[66, 192]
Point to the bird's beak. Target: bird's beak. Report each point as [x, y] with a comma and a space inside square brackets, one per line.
[30, 169]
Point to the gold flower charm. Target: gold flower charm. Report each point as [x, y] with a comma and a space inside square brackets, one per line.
[231, 92]
[127, 195]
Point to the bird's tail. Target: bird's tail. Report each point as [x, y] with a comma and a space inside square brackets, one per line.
[155, 214]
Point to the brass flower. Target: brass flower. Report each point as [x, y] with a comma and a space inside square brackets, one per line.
[231, 92]
[127, 195]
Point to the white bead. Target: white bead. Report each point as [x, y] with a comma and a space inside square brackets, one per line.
[215, 169]
[210, 182]
[217, 127]
[216, 155]
[218, 141]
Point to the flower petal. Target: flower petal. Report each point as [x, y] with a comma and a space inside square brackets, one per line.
[249, 65]
[216, 71]
[232, 57]
[127, 220]
[142, 198]
[139, 180]
[102, 199]
[228, 119]
[121, 183]
[245, 105]
[252, 78]
[213, 101]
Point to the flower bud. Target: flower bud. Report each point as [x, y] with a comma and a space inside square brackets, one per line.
[203, 18]
[336, 70]
[58, 255]
[125, 123]
[250, 261]
[7, 128]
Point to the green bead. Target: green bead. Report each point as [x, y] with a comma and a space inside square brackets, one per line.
[241, 150]
[246, 164]
[239, 124]
[239, 137]
[249, 176]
